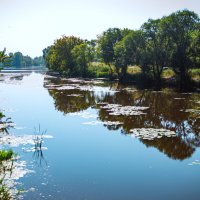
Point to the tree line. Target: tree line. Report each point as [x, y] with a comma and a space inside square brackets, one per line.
[20, 60]
[17, 59]
[171, 41]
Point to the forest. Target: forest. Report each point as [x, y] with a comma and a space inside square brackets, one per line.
[170, 43]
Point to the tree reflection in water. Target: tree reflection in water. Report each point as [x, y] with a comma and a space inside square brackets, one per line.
[167, 109]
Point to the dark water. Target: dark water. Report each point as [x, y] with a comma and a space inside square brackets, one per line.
[93, 153]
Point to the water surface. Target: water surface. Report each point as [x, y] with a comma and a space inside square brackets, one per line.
[94, 151]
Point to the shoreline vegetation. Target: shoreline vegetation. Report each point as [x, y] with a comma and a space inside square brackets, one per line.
[18, 60]
[164, 51]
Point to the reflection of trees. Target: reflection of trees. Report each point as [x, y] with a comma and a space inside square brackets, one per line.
[173, 147]
[166, 110]
[68, 104]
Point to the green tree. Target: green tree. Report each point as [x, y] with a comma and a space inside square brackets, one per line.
[5, 60]
[59, 56]
[179, 27]
[18, 59]
[82, 55]
[128, 51]
[158, 47]
[195, 49]
[27, 61]
[106, 42]
[38, 61]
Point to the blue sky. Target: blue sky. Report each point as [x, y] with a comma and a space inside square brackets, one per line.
[31, 25]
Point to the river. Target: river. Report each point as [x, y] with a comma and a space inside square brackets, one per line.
[92, 139]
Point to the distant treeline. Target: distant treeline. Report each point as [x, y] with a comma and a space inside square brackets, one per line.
[170, 42]
[19, 60]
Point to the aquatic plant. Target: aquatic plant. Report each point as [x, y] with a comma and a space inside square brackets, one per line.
[151, 133]
[116, 109]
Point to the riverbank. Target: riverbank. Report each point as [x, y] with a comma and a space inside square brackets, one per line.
[134, 76]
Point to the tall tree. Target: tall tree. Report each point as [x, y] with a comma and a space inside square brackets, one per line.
[157, 46]
[18, 59]
[179, 27]
[82, 55]
[128, 51]
[59, 56]
[107, 41]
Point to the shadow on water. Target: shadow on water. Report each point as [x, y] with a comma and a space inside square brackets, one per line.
[178, 112]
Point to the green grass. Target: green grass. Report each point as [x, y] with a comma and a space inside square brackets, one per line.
[195, 74]
[134, 70]
[168, 73]
[101, 70]
[98, 70]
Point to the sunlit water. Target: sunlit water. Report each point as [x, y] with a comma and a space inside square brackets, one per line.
[93, 153]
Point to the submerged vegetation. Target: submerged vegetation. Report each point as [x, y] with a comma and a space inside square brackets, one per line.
[172, 42]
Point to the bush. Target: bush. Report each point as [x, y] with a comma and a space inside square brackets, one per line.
[195, 74]
[6, 155]
[98, 70]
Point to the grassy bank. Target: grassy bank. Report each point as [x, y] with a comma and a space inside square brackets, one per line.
[134, 75]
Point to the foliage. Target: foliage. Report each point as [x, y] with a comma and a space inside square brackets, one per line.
[6, 155]
[1, 115]
[19, 60]
[59, 56]
[4, 59]
[195, 74]
[98, 70]
[170, 42]
[106, 42]
[127, 52]
[82, 55]
[179, 28]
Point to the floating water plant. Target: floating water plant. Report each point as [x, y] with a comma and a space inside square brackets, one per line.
[196, 111]
[107, 123]
[15, 141]
[151, 133]
[75, 95]
[196, 162]
[116, 109]
[84, 114]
